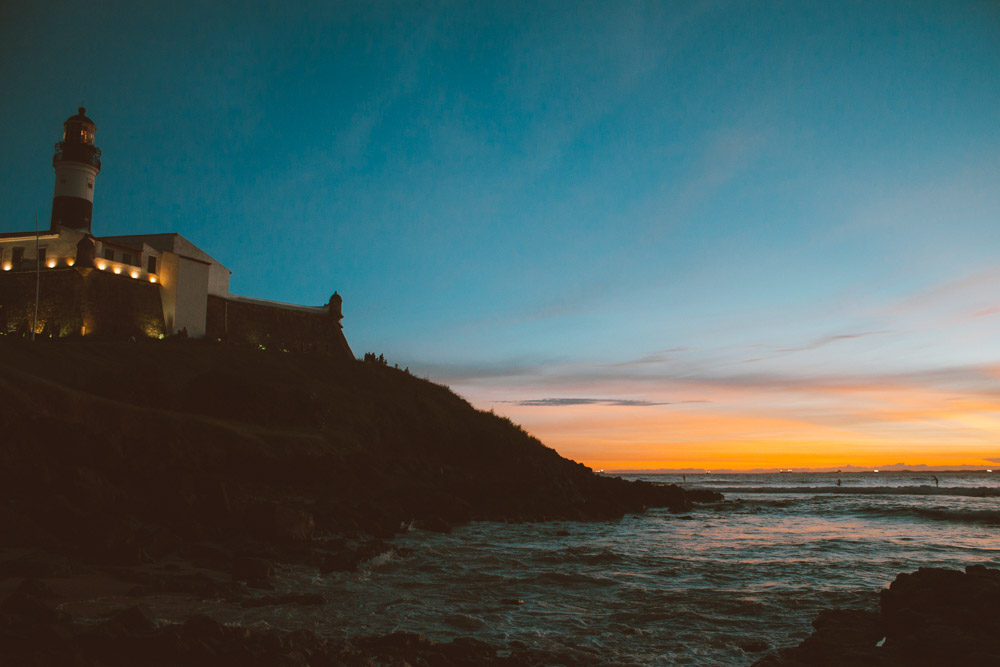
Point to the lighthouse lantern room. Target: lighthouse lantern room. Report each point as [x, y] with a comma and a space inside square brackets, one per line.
[77, 162]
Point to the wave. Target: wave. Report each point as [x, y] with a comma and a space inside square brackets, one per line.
[989, 517]
[966, 491]
[584, 555]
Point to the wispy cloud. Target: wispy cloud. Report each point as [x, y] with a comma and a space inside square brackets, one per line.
[557, 402]
[660, 374]
[986, 312]
[827, 340]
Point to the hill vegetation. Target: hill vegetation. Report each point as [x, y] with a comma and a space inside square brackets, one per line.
[125, 452]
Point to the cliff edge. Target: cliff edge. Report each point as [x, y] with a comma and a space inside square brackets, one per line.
[125, 452]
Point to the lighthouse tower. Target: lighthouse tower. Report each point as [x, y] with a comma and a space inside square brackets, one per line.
[77, 162]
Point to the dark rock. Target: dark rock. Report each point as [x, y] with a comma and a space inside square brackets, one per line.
[38, 564]
[930, 617]
[466, 651]
[35, 588]
[434, 524]
[252, 569]
[201, 628]
[937, 615]
[841, 637]
[26, 603]
[292, 523]
[209, 554]
[753, 645]
[134, 621]
[703, 496]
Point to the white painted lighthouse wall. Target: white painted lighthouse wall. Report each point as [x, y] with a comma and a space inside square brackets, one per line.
[218, 275]
[192, 296]
[75, 179]
[184, 294]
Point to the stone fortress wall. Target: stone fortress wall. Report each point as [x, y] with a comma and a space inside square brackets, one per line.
[246, 321]
[84, 301]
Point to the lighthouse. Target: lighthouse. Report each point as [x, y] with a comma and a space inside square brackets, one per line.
[77, 162]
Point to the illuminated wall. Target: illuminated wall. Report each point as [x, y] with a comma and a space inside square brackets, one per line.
[59, 249]
[79, 301]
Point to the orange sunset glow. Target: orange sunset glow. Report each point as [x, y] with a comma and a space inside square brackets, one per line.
[759, 426]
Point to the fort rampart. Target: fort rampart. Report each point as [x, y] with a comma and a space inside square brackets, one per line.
[88, 302]
[245, 321]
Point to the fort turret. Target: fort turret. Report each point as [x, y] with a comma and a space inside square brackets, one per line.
[77, 162]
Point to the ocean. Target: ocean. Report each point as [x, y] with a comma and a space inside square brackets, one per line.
[709, 587]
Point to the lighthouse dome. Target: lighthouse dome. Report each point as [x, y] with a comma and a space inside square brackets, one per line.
[79, 129]
[80, 117]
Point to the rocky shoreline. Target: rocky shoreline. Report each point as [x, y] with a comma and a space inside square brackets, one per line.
[929, 617]
[223, 462]
[33, 632]
[230, 461]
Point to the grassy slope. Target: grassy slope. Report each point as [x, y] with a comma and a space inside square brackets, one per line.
[116, 447]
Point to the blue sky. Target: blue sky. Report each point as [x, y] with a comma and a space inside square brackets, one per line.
[532, 201]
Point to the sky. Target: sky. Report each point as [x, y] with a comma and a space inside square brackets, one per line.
[713, 234]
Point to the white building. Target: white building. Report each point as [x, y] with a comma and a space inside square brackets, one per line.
[186, 275]
[110, 285]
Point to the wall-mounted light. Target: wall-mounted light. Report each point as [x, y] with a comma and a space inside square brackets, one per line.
[51, 263]
[134, 274]
[152, 279]
[117, 270]
[6, 267]
[70, 261]
[102, 266]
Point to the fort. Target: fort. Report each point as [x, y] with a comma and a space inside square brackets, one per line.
[65, 281]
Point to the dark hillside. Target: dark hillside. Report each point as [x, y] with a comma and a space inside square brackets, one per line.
[126, 451]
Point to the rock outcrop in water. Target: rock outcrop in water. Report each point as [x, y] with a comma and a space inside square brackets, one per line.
[930, 617]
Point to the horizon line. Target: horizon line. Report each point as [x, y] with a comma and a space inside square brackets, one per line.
[841, 469]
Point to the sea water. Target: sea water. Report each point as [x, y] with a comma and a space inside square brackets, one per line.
[659, 588]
